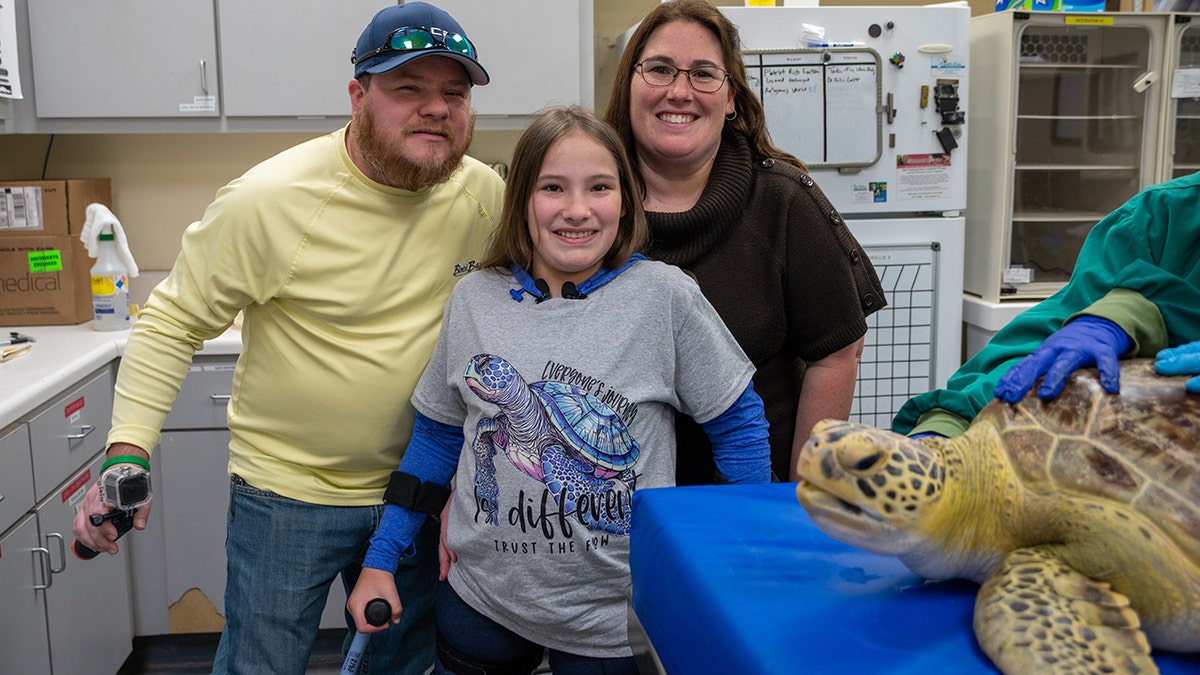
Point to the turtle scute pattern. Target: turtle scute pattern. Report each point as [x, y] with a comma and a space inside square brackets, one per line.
[1139, 448]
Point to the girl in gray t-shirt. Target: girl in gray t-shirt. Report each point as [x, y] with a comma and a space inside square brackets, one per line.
[550, 398]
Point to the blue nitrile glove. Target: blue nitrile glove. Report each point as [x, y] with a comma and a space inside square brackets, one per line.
[1182, 360]
[1086, 341]
[926, 434]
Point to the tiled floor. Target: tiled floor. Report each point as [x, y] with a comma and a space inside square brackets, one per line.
[186, 654]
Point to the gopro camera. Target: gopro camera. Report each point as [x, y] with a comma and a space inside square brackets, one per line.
[125, 487]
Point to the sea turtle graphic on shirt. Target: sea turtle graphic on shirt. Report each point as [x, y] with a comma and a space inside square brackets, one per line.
[554, 433]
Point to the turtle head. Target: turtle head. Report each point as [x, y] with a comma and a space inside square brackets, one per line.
[490, 376]
[868, 487]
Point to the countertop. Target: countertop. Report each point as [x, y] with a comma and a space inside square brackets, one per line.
[62, 355]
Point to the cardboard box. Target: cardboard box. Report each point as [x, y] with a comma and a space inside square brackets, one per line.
[58, 207]
[44, 281]
[45, 271]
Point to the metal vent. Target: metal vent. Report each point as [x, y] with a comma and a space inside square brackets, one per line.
[1050, 48]
[1189, 49]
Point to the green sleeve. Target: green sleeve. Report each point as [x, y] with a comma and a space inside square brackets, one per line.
[1138, 317]
[942, 422]
[1141, 254]
[971, 387]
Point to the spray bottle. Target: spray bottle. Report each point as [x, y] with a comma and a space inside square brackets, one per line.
[110, 286]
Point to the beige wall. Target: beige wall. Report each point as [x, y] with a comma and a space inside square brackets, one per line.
[163, 182]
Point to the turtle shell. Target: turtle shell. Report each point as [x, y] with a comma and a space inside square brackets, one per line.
[1140, 448]
[590, 428]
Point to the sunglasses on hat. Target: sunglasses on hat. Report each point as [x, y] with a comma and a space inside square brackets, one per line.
[412, 39]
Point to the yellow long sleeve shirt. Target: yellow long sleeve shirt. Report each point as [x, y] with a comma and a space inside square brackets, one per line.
[341, 282]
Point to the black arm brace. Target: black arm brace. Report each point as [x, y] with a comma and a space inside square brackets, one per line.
[405, 489]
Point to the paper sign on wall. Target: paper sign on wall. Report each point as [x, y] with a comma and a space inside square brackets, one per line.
[10, 73]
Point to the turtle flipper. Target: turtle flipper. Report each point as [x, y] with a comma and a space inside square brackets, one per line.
[1035, 614]
[487, 492]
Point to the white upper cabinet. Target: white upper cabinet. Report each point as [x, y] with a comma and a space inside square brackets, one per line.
[537, 52]
[291, 60]
[133, 58]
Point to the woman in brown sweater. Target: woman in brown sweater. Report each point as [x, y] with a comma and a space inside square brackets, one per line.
[768, 249]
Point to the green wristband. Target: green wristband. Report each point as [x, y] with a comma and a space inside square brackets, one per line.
[125, 459]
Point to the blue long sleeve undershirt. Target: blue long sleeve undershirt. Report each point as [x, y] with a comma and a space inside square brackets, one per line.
[740, 444]
[432, 456]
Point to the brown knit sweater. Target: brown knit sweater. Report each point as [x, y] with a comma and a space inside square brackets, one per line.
[774, 257]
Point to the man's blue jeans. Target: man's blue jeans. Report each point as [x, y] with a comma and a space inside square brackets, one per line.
[283, 555]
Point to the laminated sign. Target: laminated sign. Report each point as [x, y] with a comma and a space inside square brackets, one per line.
[10, 74]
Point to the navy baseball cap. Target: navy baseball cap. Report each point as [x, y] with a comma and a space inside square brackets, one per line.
[400, 33]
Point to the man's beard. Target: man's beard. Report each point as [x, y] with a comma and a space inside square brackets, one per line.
[396, 170]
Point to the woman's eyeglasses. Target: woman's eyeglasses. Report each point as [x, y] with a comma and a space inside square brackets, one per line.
[409, 39]
[706, 79]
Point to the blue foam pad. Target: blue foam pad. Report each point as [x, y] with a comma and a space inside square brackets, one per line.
[737, 579]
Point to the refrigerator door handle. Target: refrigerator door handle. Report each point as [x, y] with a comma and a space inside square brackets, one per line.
[1143, 82]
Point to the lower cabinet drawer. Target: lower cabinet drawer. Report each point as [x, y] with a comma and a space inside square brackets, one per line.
[204, 396]
[70, 430]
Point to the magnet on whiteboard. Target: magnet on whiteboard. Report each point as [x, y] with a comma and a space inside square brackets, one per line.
[935, 48]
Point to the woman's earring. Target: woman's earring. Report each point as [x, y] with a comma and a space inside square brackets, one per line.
[731, 116]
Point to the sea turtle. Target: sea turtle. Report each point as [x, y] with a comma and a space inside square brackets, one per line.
[1080, 517]
[555, 433]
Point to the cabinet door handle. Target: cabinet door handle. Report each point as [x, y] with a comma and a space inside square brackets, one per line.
[87, 429]
[46, 571]
[203, 77]
[220, 398]
[62, 552]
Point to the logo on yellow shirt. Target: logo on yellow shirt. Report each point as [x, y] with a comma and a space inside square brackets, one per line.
[461, 269]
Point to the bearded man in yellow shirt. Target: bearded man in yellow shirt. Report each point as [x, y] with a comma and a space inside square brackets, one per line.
[340, 252]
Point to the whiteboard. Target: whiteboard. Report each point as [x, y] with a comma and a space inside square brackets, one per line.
[822, 105]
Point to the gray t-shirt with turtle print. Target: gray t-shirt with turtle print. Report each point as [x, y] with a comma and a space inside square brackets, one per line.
[567, 407]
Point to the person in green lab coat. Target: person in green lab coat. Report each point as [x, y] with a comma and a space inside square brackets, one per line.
[1135, 291]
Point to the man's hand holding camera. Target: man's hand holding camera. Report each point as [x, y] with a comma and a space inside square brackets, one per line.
[119, 501]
